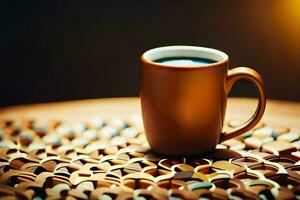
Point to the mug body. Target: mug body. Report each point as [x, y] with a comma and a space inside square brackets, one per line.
[183, 107]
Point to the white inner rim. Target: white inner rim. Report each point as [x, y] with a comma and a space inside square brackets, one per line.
[184, 51]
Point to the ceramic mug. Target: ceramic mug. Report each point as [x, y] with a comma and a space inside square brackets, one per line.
[184, 107]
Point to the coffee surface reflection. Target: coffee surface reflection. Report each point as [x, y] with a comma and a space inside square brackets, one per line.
[184, 61]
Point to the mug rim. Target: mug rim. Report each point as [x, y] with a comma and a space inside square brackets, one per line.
[145, 56]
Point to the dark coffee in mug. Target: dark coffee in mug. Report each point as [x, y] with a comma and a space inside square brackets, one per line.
[184, 61]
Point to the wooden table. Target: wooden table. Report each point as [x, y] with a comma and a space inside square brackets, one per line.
[282, 113]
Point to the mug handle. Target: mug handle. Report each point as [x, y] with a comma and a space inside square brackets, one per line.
[249, 74]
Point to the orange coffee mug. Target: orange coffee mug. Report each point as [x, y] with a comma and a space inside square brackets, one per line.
[184, 103]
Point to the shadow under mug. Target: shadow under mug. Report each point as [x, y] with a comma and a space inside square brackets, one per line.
[184, 107]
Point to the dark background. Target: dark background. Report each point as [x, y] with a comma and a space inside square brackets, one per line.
[60, 50]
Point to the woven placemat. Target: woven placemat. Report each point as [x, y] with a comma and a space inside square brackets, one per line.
[111, 159]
